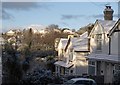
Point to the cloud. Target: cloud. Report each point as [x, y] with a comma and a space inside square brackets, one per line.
[19, 6]
[102, 16]
[71, 16]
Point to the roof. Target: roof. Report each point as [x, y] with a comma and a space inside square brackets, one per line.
[107, 24]
[116, 24]
[104, 57]
[67, 31]
[80, 43]
[84, 35]
[63, 64]
[10, 32]
[62, 44]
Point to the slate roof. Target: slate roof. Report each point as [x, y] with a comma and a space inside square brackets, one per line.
[104, 57]
[80, 43]
[63, 42]
[107, 24]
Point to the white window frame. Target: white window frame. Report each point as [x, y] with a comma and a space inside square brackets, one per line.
[70, 55]
[98, 42]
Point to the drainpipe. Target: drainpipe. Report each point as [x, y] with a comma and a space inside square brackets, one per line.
[109, 45]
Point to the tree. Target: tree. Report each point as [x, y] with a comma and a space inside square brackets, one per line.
[37, 76]
[52, 27]
[50, 63]
[40, 76]
[28, 37]
[11, 66]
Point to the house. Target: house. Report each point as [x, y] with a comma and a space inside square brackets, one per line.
[62, 42]
[104, 58]
[67, 31]
[74, 61]
[2, 41]
[97, 54]
[10, 33]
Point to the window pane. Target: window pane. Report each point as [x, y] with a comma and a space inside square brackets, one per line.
[91, 70]
[99, 41]
[91, 62]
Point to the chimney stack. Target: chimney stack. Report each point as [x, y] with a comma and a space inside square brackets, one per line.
[108, 13]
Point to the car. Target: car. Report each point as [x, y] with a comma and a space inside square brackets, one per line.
[80, 81]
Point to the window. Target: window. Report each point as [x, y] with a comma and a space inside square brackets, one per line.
[91, 67]
[71, 55]
[116, 68]
[92, 63]
[66, 71]
[99, 41]
[71, 71]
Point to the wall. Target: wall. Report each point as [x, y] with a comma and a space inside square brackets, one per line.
[81, 64]
[114, 43]
[105, 45]
[108, 72]
[107, 69]
[119, 43]
[105, 41]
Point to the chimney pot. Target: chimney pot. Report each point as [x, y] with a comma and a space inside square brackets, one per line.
[108, 13]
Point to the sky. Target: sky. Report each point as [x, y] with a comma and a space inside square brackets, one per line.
[72, 15]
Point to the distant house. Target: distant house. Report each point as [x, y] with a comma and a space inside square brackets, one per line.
[73, 60]
[2, 41]
[104, 55]
[61, 48]
[68, 31]
[10, 33]
[13, 32]
[96, 54]
[36, 29]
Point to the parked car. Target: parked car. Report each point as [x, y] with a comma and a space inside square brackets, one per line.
[80, 81]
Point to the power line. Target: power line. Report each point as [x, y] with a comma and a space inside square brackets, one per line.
[99, 5]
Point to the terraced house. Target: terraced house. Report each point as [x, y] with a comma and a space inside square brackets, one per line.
[72, 55]
[96, 53]
[104, 47]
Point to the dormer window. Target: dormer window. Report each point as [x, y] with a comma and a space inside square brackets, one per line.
[99, 41]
